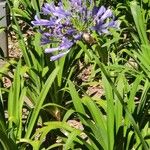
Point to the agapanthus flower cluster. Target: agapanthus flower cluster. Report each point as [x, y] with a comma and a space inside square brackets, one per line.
[65, 24]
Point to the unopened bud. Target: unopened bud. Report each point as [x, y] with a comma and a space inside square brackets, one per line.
[88, 38]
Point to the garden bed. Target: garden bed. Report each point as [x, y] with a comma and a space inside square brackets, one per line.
[76, 77]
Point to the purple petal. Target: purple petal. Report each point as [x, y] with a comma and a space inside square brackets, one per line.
[50, 50]
[101, 11]
[48, 34]
[104, 31]
[107, 24]
[47, 8]
[78, 36]
[65, 44]
[70, 31]
[76, 3]
[111, 24]
[116, 24]
[107, 14]
[42, 22]
[55, 10]
[46, 40]
[53, 58]
[59, 12]
[95, 10]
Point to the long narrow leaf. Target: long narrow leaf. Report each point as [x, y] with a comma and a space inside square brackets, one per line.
[136, 128]
[40, 101]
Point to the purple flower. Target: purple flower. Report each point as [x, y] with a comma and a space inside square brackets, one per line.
[42, 22]
[65, 44]
[65, 26]
[103, 19]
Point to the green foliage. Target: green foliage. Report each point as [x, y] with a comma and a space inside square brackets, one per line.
[109, 126]
[44, 96]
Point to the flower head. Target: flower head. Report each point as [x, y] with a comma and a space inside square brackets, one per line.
[65, 26]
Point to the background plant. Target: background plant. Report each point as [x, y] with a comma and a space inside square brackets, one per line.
[44, 96]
